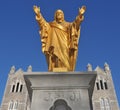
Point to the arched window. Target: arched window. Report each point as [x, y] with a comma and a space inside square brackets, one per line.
[13, 105]
[16, 105]
[13, 88]
[101, 84]
[21, 86]
[97, 85]
[105, 85]
[17, 87]
[10, 107]
[102, 104]
[107, 104]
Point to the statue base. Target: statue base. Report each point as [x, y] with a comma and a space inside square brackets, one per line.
[60, 90]
[60, 70]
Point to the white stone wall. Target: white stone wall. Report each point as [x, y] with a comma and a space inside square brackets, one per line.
[104, 97]
[16, 96]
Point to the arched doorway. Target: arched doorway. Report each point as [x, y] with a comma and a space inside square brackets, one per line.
[60, 104]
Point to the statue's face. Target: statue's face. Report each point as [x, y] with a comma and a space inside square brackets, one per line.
[59, 16]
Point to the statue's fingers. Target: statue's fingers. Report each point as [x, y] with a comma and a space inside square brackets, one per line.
[84, 7]
[34, 6]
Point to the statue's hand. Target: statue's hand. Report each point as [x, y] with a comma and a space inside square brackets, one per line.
[82, 10]
[36, 10]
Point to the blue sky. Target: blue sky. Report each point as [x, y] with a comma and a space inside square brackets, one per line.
[20, 42]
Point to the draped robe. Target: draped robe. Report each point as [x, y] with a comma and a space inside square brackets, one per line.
[60, 42]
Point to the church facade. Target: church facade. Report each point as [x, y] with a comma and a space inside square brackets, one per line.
[104, 96]
[18, 96]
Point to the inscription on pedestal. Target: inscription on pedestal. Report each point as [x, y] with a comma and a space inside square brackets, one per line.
[69, 95]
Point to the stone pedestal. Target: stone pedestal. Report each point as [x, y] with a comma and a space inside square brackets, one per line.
[61, 90]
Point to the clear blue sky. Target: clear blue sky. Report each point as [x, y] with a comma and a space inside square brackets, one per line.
[20, 42]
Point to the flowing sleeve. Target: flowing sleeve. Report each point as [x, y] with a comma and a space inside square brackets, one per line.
[78, 21]
[44, 30]
[75, 32]
[74, 40]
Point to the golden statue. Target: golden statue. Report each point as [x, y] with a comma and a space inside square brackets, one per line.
[60, 39]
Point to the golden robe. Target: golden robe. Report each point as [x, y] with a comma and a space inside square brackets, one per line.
[60, 42]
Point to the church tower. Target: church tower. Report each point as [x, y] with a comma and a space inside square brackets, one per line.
[16, 93]
[104, 96]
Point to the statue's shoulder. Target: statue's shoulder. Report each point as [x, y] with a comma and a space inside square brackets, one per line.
[52, 22]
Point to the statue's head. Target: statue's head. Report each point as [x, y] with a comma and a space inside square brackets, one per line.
[59, 16]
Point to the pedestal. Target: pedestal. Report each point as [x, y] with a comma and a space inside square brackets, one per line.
[60, 90]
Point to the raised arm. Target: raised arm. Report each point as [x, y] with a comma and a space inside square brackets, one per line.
[44, 27]
[80, 16]
[39, 17]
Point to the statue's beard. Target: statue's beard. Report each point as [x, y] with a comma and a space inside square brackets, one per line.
[59, 20]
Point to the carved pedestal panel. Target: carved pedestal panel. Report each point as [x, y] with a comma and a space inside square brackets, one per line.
[60, 91]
